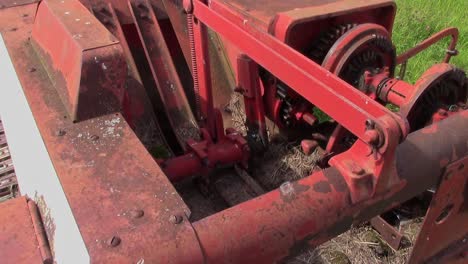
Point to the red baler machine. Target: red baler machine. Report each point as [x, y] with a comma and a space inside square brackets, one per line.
[117, 111]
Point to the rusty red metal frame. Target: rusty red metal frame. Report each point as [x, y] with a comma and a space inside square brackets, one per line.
[110, 172]
[358, 113]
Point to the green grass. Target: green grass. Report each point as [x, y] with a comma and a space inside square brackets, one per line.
[418, 19]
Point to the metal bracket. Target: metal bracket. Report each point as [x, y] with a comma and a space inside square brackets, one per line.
[446, 220]
[389, 233]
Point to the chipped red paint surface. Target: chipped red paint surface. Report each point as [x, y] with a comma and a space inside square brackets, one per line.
[18, 242]
[124, 204]
[101, 164]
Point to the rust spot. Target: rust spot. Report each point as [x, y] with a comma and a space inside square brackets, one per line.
[322, 187]
[335, 179]
[430, 129]
[313, 240]
[444, 162]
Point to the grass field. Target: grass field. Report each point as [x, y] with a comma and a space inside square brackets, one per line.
[419, 19]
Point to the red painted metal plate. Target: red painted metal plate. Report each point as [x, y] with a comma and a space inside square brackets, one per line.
[12, 18]
[18, 242]
[446, 220]
[106, 174]
[264, 11]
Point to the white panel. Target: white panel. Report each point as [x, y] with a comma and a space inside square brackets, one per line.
[36, 175]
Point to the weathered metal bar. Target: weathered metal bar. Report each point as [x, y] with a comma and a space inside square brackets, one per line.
[449, 32]
[40, 232]
[249, 85]
[317, 208]
[164, 72]
[198, 34]
[137, 108]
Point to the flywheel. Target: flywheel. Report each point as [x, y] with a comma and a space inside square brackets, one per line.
[442, 90]
[359, 48]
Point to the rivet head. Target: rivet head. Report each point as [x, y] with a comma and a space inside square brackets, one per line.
[175, 219]
[136, 214]
[370, 124]
[114, 241]
[60, 133]
[442, 112]
[371, 137]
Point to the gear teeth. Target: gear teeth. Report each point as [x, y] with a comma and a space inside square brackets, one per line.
[370, 58]
[326, 41]
[452, 89]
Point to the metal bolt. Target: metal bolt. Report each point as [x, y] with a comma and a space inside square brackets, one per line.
[452, 52]
[453, 108]
[94, 137]
[239, 90]
[309, 146]
[176, 219]
[136, 214]
[206, 162]
[60, 133]
[114, 241]
[371, 137]
[357, 170]
[442, 112]
[246, 148]
[370, 124]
